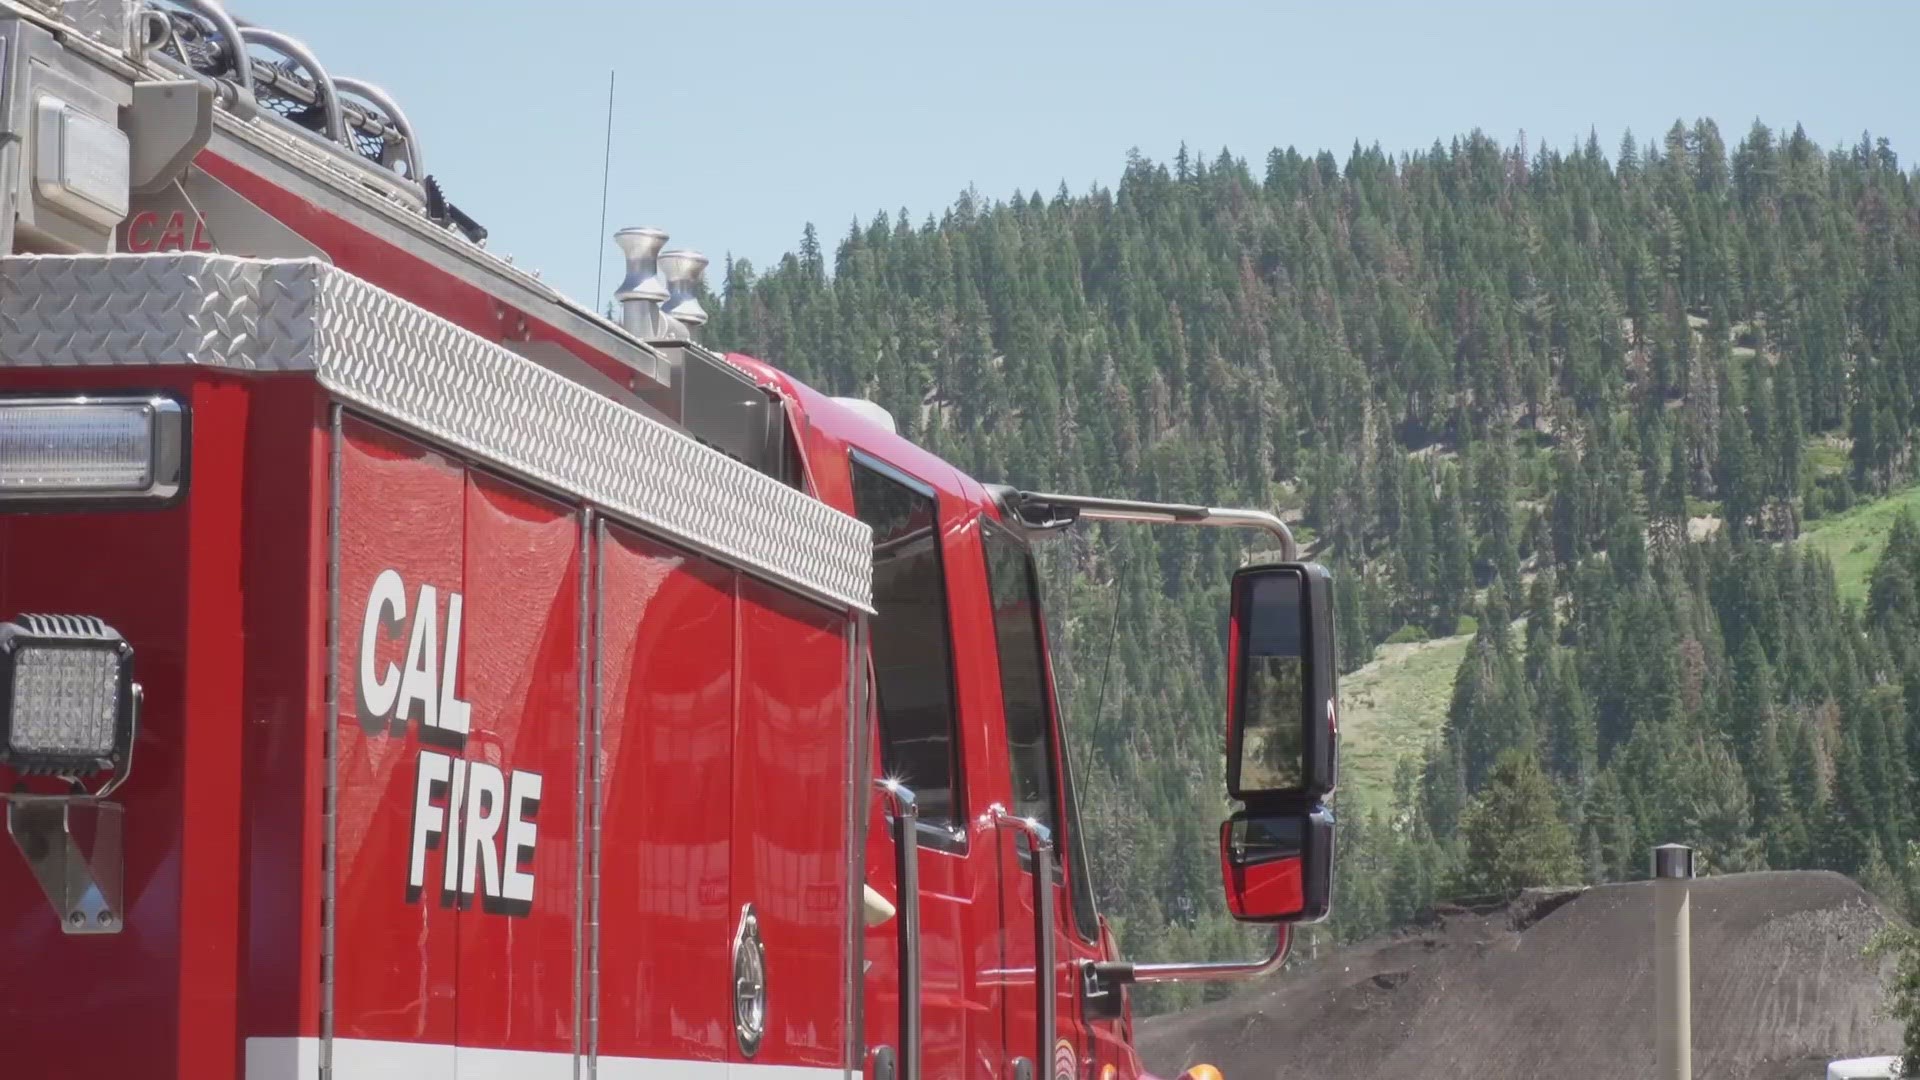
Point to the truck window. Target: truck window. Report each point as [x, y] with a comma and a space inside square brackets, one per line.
[1038, 772]
[912, 655]
[1023, 689]
[1086, 918]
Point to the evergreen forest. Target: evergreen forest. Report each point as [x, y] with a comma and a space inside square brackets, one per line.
[1579, 404]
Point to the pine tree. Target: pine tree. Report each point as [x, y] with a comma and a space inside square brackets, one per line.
[1903, 989]
[1611, 842]
[1444, 790]
[1491, 710]
[1515, 838]
[1572, 739]
[1448, 370]
[1782, 821]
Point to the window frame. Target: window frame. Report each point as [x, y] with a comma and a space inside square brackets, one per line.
[950, 837]
[1066, 810]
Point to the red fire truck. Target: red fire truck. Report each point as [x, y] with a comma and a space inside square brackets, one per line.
[409, 672]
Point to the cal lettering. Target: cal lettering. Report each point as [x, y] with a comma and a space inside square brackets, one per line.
[455, 715]
[421, 683]
[481, 817]
[175, 237]
[140, 231]
[147, 231]
[386, 609]
[425, 685]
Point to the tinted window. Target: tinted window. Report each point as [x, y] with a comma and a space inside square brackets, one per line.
[1037, 768]
[912, 657]
[1080, 879]
[1023, 686]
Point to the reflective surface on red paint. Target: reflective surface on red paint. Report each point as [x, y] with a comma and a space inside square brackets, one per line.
[1094, 1043]
[285, 712]
[667, 640]
[962, 1027]
[1003, 932]
[790, 777]
[212, 735]
[1264, 889]
[689, 863]
[977, 921]
[131, 570]
[521, 675]
[965, 939]
[221, 761]
[402, 508]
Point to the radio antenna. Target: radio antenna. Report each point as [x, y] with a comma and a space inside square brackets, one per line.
[606, 170]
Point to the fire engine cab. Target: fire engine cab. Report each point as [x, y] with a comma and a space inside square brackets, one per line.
[406, 671]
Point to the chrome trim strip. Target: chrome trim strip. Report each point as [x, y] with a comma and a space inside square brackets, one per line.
[423, 373]
[1046, 993]
[329, 798]
[584, 708]
[906, 851]
[595, 796]
[854, 861]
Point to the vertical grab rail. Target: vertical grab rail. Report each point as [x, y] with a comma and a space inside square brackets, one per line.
[1044, 1003]
[906, 850]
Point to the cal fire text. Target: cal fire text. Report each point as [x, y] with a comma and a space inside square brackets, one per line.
[481, 817]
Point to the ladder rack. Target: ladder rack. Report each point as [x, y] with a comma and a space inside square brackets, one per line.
[350, 117]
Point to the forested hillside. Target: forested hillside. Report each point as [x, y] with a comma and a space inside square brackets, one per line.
[1571, 399]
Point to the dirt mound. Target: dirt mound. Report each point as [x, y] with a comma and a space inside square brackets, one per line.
[1560, 984]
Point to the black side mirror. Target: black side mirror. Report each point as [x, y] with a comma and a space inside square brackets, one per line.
[1278, 867]
[1282, 727]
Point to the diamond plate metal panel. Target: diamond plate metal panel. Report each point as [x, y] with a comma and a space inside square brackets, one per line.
[149, 310]
[411, 367]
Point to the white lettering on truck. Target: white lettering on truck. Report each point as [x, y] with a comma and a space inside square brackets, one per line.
[482, 821]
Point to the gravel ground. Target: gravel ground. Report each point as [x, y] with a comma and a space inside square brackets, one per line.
[1563, 986]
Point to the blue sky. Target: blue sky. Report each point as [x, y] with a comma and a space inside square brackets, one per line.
[737, 122]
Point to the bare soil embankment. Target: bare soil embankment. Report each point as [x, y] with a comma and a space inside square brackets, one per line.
[1564, 987]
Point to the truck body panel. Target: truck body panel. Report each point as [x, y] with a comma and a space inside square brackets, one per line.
[507, 711]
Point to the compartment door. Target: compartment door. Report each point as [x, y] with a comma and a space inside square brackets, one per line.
[402, 511]
[510, 841]
[790, 834]
[664, 748]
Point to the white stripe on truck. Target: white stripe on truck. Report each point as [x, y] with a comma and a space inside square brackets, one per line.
[375, 1059]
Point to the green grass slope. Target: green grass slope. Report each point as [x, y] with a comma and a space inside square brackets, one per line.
[1853, 541]
[1396, 704]
[1391, 711]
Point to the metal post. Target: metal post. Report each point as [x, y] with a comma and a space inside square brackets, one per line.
[1040, 839]
[1673, 974]
[906, 847]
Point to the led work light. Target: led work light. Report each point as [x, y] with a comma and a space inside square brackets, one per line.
[91, 448]
[67, 697]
